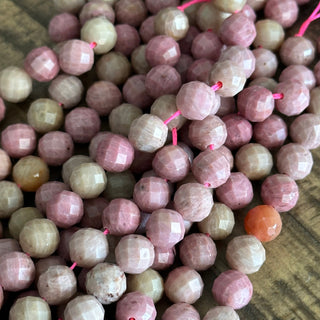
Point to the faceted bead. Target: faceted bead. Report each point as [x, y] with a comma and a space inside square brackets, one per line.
[139, 62]
[146, 30]
[11, 198]
[186, 42]
[266, 63]
[132, 12]
[73, 6]
[155, 6]
[2, 109]
[163, 257]
[316, 71]
[314, 105]
[9, 245]
[44, 264]
[257, 4]
[229, 6]
[268, 83]
[95, 9]
[221, 313]
[232, 288]
[227, 106]
[249, 12]
[92, 212]
[181, 311]
[120, 185]
[71, 164]
[299, 73]
[65, 236]
[64, 26]
[127, 39]
[183, 65]
[199, 70]
[183, 284]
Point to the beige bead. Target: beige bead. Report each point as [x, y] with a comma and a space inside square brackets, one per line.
[88, 180]
[256, 4]
[11, 198]
[138, 60]
[254, 160]
[39, 238]
[219, 223]
[20, 217]
[45, 115]
[30, 308]
[314, 106]
[270, 34]
[229, 6]
[149, 283]
[44, 264]
[191, 12]
[71, 6]
[15, 84]
[102, 32]
[5, 164]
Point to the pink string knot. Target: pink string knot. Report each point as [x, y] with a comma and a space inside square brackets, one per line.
[314, 16]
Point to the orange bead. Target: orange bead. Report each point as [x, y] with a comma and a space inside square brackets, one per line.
[264, 222]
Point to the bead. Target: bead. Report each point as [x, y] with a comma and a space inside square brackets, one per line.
[229, 6]
[256, 4]
[146, 30]
[221, 313]
[249, 12]
[44, 264]
[268, 83]
[132, 12]
[266, 63]
[135, 305]
[95, 141]
[65, 236]
[6, 164]
[193, 201]
[183, 284]
[227, 106]
[1, 297]
[103, 96]
[96, 9]
[92, 212]
[186, 42]
[39, 238]
[199, 70]
[163, 257]
[127, 39]
[120, 185]
[57, 285]
[121, 217]
[219, 223]
[316, 71]
[263, 222]
[155, 6]
[9, 245]
[138, 60]
[149, 283]
[254, 160]
[2, 109]
[183, 65]
[314, 105]
[84, 308]
[30, 173]
[11, 198]
[134, 253]
[270, 35]
[45, 115]
[72, 6]
[15, 84]
[64, 26]
[181, 311]
[232, 288]
[71, 164]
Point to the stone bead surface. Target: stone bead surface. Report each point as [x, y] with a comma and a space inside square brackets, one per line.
[280, 191]
[132, 12]
[266, 63]
[183, 284]
[9, 245]
[199, 70]
[268, 83]
[221, 313]
[15, 84]
[314, 105]
[127, 39]
[95, 9]
[84, 308]
[229, 6]
[257, 4]
[134, 253]
[30, 172]
[64, 26]
[92, 212]
[43, 265]
[146, 30]
[65, 236]
[139, 62]
[72, 6]
[18, 140]
[232, 288]
[181, 311]
[254, 160]
[186, 42]
[155, 7]
[11, 198]
[294, 160]
[299, 73]
[193, 201]
[71, 164]
[57, 285]
[2, 109]
[106, 282]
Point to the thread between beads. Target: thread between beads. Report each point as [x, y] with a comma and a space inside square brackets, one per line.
[314, 16]
[190, 3]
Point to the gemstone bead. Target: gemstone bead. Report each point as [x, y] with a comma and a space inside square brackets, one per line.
[95, 9]
[120, 185]
[92, 212]
[132, 12]
[186, 42]
[266, 63]
[64, 26]
[139, 62]
[199, 70]
[2, 109]
[181, 311]
[221, 313]
[163, 257]
[155, 7]
[127, 39]
[65, 236]
[268, 83]
[9, 245]
[298, 72]
[257, 4]
[44, 264]
[73, 6]
[314, 105]
[71, 164]
[229, 6]
[146, 30]
[11, 198]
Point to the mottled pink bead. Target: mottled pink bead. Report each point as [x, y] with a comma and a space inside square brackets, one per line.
[183, 284]
[296, 97]
[95, 9]
[65, 236]
[162, 79]
[155, 6]
[9, 245]
[266, 63]
[227, 106]
[151, 193]
[135, 305]
[183, 65]
[280, 191]
[228, 154]
[115, 153]
[132, 12]
[65, 209]
[17, 271]
[299, 73]
[237, 192]
[55, 147]
[76, 57]
[249, 12]
[163, 258]
[186, 42]
[95, 141]
[103, 96]
[237, 30]
[18, 140]
[199, 70]
[232, 288]
[92, 212]
[63, 27]
[121, 216]
[271, 133]
[211, 167]
[134, 91]
[146, 29]
[42, 64]
[45, 192]
[181, 311]
[294, 160]
[127, 39]
[134, 253]
[82, 124]
[2, 109]
[221, 313]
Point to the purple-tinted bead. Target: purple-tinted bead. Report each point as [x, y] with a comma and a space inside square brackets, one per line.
[146, 29]
[127, 39]
[95, 141]
[95, 9]
[183, 66]
[316, 72]
[92, 212]
[227, 106]
[163, 257]
[249, 12]
[132, 12]
[298, 73]
[186, 43]
[155, 6]
[199, 70]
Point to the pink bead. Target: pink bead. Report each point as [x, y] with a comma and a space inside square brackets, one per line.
[121, 217]
[271, 133]
[18, 140]
[76, 57]
[95, 141]
[183, 284]
[193, 201]
[65, 209]
[17, 271]
[163, 258]
[155, 6]
[227, 106]
[43, 264]
[82, 124]
[228, 154]
[151, 193]
[211, 167]
[232, 288]
[183, 65]
[280, 191]
[181, 311]
[266, 63]
[2, 109]
[135, 305]
[127, 39]
[296, 97]
[186, 42]
[55, 147]
[63, 27]
[237, 192]
[95, 9]
[197, 251]
[134, 254]
[146, 29]
[92, 212]
[132, 12]
[165, 228]
[6, 165]
[249, 12]
[42, 64]
[237, 30]
[65, 236]
[299, 73]
[9, 245]
[294, 160]
[199, 70]
[103, 96]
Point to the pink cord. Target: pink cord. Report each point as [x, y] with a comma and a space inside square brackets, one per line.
[174, 136]
[190, 3]
[105, 232]
[73, 265]
[207, 185]
[93, 45]
[211, 146]
[278, 96]
[217, 86]
[314, 15]
[175, 115]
